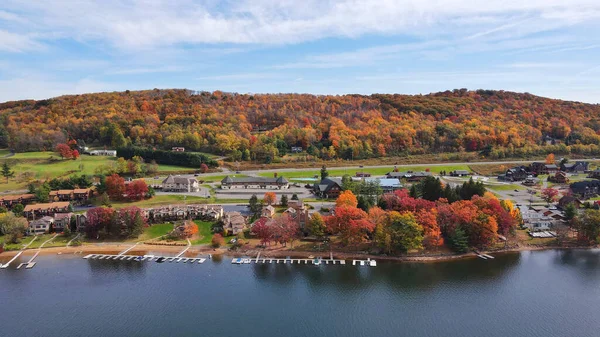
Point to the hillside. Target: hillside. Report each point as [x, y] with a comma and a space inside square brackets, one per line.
[496, 123]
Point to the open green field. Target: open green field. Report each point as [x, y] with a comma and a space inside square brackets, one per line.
[204, 231]
[163, 200]
[48, 165]
[375, 171]
[509, 187]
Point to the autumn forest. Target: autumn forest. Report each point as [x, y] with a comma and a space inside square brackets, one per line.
[494, 124]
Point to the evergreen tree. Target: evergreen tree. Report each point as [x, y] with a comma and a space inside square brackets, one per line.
[294, 196]
[254, 205]
[364, 203]
[414, 193]
[347, 183]
[18, 209]
[8, 173]
[284, 200]
[137, 226]
[459, 241]
[324, 173]
[67, 230]
[431, 188]
[570, 211]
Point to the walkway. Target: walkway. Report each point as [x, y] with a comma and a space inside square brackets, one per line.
[18, 254]
[186, 249]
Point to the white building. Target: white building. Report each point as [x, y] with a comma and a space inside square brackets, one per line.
[107, 153]
[180, 184]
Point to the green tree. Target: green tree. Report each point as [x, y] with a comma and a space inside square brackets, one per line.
[67, 230]
[18, 209]
[137, 226]
[12, 227]
[570, 211]
[294, 196]
[324, 173]
[347, 183]
[254, 205]
[7, 172]
[406, 233]
[316, 225]
[588, 226]
[42, 193]
[459, 241]
[284, 200]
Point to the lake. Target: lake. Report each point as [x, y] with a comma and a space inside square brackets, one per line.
[543, 293]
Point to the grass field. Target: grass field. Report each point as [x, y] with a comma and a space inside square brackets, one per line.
[155, 231]
[377, 171]
[204, 231]
[509, 187]
[48, 165]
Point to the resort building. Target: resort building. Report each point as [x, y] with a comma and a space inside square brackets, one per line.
[575, 167]
[459, 173]
[78, 196]
[108, 153]
[180, 184]
[386, 184]
[9, 201]
[329, 188]
[39, 210]
[254, 182]
[181, 212]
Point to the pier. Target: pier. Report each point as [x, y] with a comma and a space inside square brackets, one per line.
[4, 266]
[145, 258]
[314, 261]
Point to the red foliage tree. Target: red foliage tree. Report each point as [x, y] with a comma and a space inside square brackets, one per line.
[97, 219]
[64, 150]
[432, 233]
[203, 168]
[263, 231]
[75, 154]
[136, 190]
[284, 229]
[348, 223]
[549, 194]
[115, 187]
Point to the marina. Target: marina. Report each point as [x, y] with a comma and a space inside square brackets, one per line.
[145, 258]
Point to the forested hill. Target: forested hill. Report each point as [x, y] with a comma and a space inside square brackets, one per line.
[262, 126]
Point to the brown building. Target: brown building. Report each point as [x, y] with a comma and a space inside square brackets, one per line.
[79, 196]
[39, 210]
[9, 201]
[559, 178]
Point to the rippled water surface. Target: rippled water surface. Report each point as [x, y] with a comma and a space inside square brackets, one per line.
[549, 293]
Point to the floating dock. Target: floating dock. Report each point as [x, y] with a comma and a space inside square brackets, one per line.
[145, 258]
[315, 262]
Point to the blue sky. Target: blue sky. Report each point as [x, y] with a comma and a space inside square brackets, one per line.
[545, 47]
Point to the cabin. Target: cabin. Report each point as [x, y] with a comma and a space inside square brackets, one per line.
[78, 196]
[459, 173]
[180, 184]
[530, 181]
[230, 182]
[568, 199]
[409, 176]
[585, 189]
[62, 220]
[559, 178]
[543, 168]
[575, 167]
[329, 188]
[518, 173]
[298, 213]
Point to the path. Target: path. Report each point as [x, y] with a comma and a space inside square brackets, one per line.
[18, 254]
[128, 249]
[186, 249]
[73, 239]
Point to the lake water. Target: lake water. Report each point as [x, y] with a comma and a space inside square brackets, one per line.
[546, 293]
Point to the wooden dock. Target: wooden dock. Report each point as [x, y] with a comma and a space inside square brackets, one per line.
[145, 258]
[317, 261]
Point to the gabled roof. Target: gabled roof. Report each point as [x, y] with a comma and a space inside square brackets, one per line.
[254, 180]
[171, 179]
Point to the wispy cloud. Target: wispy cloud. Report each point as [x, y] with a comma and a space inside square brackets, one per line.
[11, 42]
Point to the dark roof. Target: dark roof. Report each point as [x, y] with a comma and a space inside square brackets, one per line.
[326, 184]
[582, 185]
[409, 174]
[171, 179]
[254, 180]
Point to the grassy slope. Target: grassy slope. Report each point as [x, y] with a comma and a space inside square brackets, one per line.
[378, 171]
[40, 165]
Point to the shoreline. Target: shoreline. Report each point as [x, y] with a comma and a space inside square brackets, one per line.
[140, 249]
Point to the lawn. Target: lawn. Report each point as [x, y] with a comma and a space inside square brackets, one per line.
[375, 171]
[47, 165]
[18, 246]
[155, 231]
[164, 200]
[509, 187]
[204, 232]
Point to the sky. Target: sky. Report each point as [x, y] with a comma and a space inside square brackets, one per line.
[545, 47]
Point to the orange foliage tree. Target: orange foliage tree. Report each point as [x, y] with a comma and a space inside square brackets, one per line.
[270, 198]
[346, 198]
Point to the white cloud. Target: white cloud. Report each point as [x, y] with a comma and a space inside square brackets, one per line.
[151, 23]
[11, 42]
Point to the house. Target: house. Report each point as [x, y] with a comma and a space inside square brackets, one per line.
[576, 167]
[62, 220]
[568, 199]
[41, 226]
[9, 201]
[108, 153]
[559, 178]
[329, 188]
[230, 182]
[296, 149]
[268, 211]
[543, 168]
[180, 184]
[386, 184]
[39, 210]
[178, 149]
[538, 220]
[518, 173]
[362, 174]
[459, 173]
[298, 212]
[585, 189]
[233, 223]
[595, 174]
[409, 175]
